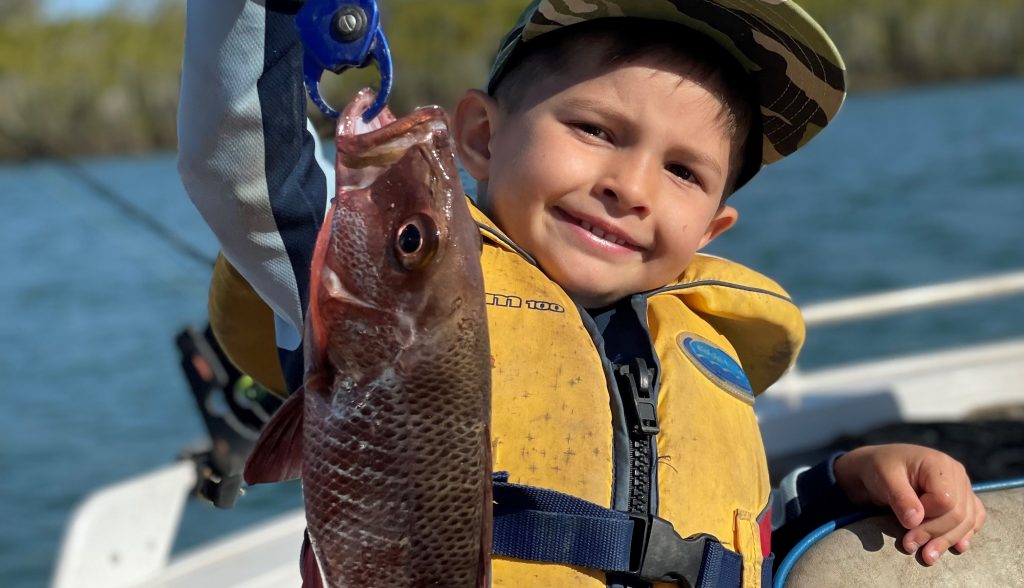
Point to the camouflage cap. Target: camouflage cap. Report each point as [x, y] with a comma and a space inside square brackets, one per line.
[796, 70]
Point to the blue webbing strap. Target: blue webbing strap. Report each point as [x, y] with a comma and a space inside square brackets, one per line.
[536, 524]
[543, 525]
[766, 571]
[720, 568]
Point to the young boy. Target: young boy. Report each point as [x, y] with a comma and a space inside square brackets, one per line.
[604, 151]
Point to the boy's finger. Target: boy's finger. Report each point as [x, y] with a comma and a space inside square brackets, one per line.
[978, 516]
[932, 542]
[981, 513]
[908, 509]
[964, 544]
[943, 485]
[939, 503]
[934, 549]
[892, 488]
[937, 535]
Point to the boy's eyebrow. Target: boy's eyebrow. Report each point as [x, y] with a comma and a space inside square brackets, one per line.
[600, 106]
[604, 109]
[707, 160]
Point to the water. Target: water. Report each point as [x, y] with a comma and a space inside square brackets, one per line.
[907, 188]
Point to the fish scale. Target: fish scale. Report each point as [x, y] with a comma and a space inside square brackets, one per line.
[394, 415]
[373, 486]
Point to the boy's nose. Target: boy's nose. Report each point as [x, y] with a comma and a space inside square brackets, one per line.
[629, 185]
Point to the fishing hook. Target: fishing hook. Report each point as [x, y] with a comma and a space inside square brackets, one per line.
[340, 35]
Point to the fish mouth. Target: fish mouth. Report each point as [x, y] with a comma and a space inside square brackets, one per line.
[351, 121]
[385, 139]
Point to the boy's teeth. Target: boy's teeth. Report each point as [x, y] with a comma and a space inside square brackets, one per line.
[600, 234]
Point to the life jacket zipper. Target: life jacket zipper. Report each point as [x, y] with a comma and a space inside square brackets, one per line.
[635, 383]
[640, 475]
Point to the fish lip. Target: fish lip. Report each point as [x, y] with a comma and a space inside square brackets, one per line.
[609, 229]
[351, 120]
[355, 137]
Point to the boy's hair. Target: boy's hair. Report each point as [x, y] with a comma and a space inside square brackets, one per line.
[625, 40]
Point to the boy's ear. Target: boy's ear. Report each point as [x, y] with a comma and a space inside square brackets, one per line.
[723, 220]
[473, 127]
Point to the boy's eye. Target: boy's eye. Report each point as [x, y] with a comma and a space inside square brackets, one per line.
[681, 171]
[592, 130]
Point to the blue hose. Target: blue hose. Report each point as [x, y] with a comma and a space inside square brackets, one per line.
[818, 534]
[999, 485]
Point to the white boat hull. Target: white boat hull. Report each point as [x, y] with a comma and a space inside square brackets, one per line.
[121, 536]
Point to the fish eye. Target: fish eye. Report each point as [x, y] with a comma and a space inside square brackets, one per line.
[410, 239]
[416, 241]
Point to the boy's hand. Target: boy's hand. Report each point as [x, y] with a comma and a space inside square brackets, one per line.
[928, 491]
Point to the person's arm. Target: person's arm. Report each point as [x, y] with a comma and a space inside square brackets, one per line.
[245, 154]
[806, 498]
[928, 491]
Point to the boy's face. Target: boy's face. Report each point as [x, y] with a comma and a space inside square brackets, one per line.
[610, 178]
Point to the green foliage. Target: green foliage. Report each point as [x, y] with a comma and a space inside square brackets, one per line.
[885, 42]
[104, 85]
[109, 84]
[19, 10]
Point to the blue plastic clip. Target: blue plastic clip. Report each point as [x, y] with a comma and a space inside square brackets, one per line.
[339, 35]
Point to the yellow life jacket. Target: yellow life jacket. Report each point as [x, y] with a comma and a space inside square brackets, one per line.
[555, 424]
[243, 326]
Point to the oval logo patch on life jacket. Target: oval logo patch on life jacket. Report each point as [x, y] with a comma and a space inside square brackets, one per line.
[717, 365]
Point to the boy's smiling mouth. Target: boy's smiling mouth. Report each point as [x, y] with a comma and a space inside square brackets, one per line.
[605, 234]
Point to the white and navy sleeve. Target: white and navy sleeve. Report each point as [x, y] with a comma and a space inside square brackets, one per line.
[246, 154]
[805, 499]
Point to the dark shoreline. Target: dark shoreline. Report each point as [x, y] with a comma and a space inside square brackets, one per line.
[13, 152]
[109, 84]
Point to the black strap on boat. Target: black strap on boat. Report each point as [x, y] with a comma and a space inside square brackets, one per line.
[232, 407]
[543, 525]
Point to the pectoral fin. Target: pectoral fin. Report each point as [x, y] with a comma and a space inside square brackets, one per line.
[278, 453]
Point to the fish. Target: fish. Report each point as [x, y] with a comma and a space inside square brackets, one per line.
[390, 432]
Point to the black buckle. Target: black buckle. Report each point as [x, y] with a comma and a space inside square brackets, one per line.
[659, 554]
[635, 382]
